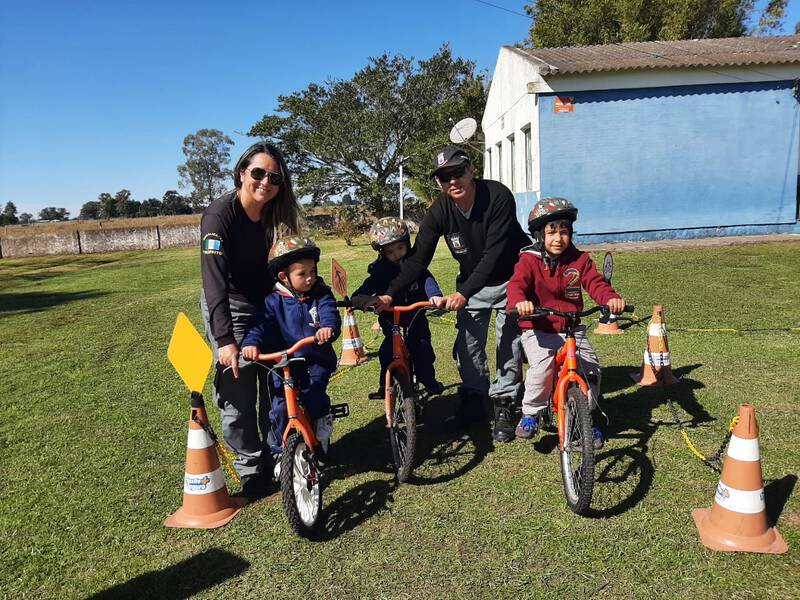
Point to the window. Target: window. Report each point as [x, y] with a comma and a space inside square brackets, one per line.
[511, 159]
[488, 164]
[500, 161]
[528, 159]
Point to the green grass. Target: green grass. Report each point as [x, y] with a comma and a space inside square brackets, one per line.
[93, 433]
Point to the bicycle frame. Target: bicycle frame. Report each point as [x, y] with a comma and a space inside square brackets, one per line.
[567, 365]
[400, 363]
[297, 417]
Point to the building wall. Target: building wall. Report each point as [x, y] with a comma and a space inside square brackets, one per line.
[652, 161]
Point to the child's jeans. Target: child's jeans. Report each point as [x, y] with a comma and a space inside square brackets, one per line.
[311, 383]
[540, 348]
[418, 342]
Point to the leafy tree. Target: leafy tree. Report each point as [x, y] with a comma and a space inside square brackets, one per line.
[350, 136]
[25, 218]
[174, 204]
[51, 213]
[90, 210]
[108, 206]
[125, 205]
[207, 155]
[581, 23]
[151, 207]
[9, 214]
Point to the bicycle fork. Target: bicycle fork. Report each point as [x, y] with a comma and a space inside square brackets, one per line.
[567, 357]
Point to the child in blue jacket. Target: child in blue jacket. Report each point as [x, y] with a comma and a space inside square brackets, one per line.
[390, 237]
[301, 305]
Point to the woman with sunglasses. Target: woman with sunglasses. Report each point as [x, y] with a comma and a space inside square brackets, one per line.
[237, 231]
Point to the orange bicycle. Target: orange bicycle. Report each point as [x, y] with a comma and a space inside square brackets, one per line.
[300, 470]
[570, 407]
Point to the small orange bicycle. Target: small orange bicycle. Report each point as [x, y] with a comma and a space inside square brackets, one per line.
[300, 470]
[570, 407]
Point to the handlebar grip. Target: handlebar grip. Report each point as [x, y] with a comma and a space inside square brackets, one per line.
[628, 308]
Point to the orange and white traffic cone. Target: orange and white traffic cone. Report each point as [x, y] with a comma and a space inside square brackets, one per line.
[206, 503]
[737, 521]
[656, 366]
[609, 326]
[353, 352]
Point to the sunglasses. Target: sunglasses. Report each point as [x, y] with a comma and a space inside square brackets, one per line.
[258, 174]
[446, 176]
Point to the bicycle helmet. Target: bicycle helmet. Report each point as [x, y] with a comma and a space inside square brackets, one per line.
[388, 230]
[287, 250]
[550, 209]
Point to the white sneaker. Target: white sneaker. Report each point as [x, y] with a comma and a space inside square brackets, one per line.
[323, 429]
[276, 472]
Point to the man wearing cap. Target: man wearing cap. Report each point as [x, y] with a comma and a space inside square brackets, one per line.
[477, 218]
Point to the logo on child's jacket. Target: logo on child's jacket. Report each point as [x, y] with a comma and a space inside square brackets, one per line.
[457, 245]
[314, 312]
[573, 284]
[212, 244]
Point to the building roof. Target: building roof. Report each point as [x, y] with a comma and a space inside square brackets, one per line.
[719, 52]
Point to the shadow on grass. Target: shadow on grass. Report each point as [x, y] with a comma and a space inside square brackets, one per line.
[57, 268]
[776, 494]
[182, 580]
[354, 507]
[29, 302]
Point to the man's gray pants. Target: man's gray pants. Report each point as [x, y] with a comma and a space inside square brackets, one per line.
[540, 349]
[469, 349]
[244, 403]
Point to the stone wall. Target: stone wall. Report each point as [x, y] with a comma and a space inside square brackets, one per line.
[56, 242]
[115, 240]
[177, 236]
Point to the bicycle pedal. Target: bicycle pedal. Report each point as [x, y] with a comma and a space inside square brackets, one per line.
[340, 411]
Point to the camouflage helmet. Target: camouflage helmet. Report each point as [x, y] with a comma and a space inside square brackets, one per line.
[287, 250]
[551, 209]
[388, 230]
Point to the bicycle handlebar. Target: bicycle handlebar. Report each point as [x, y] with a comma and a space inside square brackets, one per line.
[543, 312]
[416, 306]
[277, 356]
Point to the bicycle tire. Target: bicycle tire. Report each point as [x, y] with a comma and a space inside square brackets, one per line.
[577, 454]
[403, 432]
[300, 486]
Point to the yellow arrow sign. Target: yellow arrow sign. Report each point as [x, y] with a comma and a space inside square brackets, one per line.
[189, 354]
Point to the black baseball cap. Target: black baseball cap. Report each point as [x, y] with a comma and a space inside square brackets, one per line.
[449, 156]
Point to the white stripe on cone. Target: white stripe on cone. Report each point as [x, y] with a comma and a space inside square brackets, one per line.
[743, 449]
[198, 439]
[352, 344]
[659, 358]
[203, 483]
[740, 501]
[657, 330]
[349, 320]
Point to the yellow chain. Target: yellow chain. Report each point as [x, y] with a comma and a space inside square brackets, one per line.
[693, 449]
[227, 457]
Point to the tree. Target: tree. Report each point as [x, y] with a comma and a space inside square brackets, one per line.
[51, 213]
[580, 23]
[125, 205]
[350, 136]
[9, 214]
[90, 210]
[108, 206]
[25, 218]
[174, 204]
[207, 155]
[151, 207]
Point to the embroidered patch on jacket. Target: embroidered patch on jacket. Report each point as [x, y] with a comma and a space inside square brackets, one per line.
[456, 243]
[573, 278]
[212, 244]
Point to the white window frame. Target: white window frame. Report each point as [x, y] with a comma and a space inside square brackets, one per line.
[526, 131]
[511, 159]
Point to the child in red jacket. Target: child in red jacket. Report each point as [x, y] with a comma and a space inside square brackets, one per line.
[550, 274]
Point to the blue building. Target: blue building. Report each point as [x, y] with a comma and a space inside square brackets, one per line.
[652, 140]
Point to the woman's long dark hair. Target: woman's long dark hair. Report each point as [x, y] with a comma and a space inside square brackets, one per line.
[281, 215]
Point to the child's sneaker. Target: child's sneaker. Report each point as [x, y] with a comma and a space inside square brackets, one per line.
[323, 428]
[598, 441]
[527, 427]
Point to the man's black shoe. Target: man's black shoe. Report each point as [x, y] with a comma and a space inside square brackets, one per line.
[255, 487]
[468, 412]
[504, 420]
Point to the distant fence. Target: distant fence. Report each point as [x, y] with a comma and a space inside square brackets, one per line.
[87, 237]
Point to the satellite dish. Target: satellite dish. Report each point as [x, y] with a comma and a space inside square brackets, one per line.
[463, 130]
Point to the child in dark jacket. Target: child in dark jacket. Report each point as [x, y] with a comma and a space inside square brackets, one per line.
[301, 305]
[550, 274]
[390, 237]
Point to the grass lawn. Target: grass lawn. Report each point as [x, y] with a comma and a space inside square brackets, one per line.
[93, 434]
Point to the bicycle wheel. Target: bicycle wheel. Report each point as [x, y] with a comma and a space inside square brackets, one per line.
[403, 432]
[577, 455]
[302, 495]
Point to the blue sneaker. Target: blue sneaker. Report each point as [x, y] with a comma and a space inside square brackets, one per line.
[598, 441]
[527, 427]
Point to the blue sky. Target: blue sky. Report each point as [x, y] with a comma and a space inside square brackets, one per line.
[96, 96]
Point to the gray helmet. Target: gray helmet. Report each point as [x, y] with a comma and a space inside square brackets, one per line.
[550, 209]
[287, 250]
[388, 230]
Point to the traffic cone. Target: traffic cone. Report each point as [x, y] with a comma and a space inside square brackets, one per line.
[206, 503]
[352, 345]
[737, 521]
[608, 326]
[656, 367]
